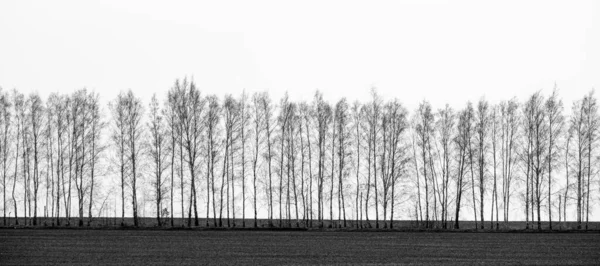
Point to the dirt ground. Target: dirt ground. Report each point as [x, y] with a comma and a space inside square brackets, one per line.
[169, 247]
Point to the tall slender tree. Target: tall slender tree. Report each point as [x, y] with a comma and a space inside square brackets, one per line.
[591, 125]
[482, 124]
[190, 113]
[323, 115]
[5, 126]
[158, 153]
[118, 137]
[554, 111]
[344, 142]
[462, 142]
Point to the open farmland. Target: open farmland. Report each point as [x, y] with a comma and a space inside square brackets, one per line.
[68, 246]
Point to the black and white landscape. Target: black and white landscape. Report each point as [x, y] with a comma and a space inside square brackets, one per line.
[271, 132]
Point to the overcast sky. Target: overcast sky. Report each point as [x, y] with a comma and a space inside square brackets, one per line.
[443, 51]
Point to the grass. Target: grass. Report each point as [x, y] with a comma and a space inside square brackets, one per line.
[162, 247]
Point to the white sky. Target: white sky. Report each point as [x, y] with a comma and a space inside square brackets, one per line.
[443, 51]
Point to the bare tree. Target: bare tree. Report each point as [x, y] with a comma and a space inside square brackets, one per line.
[494, 124]
[374, 122]
[344, 141]
[332, 166]
[306, 115]
[536, 127]
[578, 133]
[462, 142]
[80, 120]
[591, 124]
[212, 122]
[190, 114]
[97, 148]
[119, 133]
[170, 114]
[232, 119]
[424, 121]
[540, 156]
[133, 117]
[127, 115]
[398, 150]
[58, 103]
[18, 100]
[567, 166]
[471, 150]
[245, 116]
[282, 121]
[293, 134]
[49, 156]
[267, 109]
[509, 129]
[25, 131]
[323, 116]
[357, 136]
[5, 126]
[158, 153]
[258, 117]
[482, 124]
[554, 110]
[445, 126]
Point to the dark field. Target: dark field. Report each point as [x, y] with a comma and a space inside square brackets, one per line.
[68, 246]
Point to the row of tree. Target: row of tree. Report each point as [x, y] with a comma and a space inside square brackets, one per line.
[302, 163]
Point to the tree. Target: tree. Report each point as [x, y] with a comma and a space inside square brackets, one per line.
[24, 132]
[18, 100]
[80, 118]
[536, 127]
[373, 117]
[423, 126]
[58, 104]
[482, 124]
[357, 136]
[266, 109]
[394, 126]
[231, 112]
[565, 196]
[554, 109]
[127, 135]
[244, 124]
[212, 123]
[158, 153]
[578, 134]
[494, 124]
[97, 148]
[323, 115]
[508, 136]
[462, 141]
[133, 117]
[170, 114]
[118, 135]
[306, 115]
[190, 114]
[344, 141]
[591, 124]
[258, 117]
[5, 126]
[445, 126]
[293, 134]
[282, 121]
